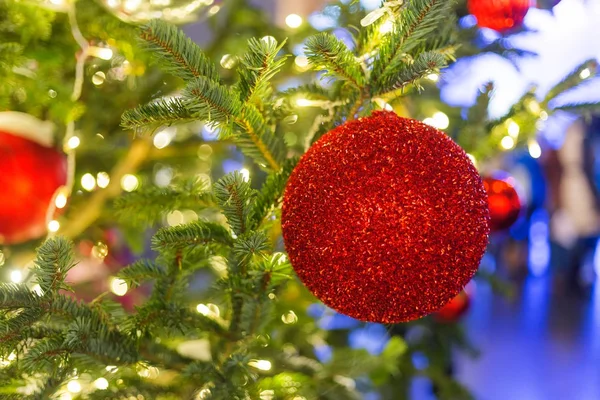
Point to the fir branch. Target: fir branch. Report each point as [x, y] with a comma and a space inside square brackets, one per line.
[192, 234]
[210, 101]
[271, 193]
[177, 53]
[141, 270]
[166, 111]
[257, 67]
[326, 52]
[249, 245]
[234, 196]
[570, 80]
[407, 74]
[14, 296]
[54, 259]
[417, 20]
[580, 108]
[150, 204]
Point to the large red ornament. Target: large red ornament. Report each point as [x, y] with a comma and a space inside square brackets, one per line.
[385, 219]
[504, 203]
[499, 15]
[30, 174]
[455, 308]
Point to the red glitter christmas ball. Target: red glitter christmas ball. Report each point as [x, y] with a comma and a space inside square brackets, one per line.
[503, 201]
[30, 174]
[499, 15]
[385, 219]
[455, 308]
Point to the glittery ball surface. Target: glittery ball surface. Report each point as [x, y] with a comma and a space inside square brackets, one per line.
[385, 219]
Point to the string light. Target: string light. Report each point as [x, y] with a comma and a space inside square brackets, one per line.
[543, 115]
[16, 276]
[228, 61]
[118, 286]
[507, 142]
[439, 120]
[267, 395]
[103, 53]
[289, 318]
[101, 383]
[88, 182]
[513, 129]
[129, 182]
[301, 62]
[175, 218]
[61, 200]
[293, 21]
[163, 138]
[98, 78]
[245, 174]
[263, 365]
[585, 73]
[74, 386]
[433, 77]
[102, 179]
[73, 142]
[209, 310]
[535, 151]
[53, 226]
[303, 102]
[213, 10]
[386, 27]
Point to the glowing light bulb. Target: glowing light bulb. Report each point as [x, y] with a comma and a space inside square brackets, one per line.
[118, 286]
[293, 21]
[88, 182]
[289, 318]
[102, 179]
[301, 62]
[513, 129]
[16, 276]
[245, 174]
[98, 78]
[303, 102]
[535, 151]
[101, 383]
[433, 77]
[74, 386]
[73, 142]
[585, 73]
[386, 27]
[228, 61]
[162, 139]
[442, 121]
[507, 143]
[53, 226]
[129, 182]
[263, 365]
[60, 201]
[203, 309]
[213, 10]
[104, 53]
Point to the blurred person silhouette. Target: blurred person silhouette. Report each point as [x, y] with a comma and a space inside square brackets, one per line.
[573, 201]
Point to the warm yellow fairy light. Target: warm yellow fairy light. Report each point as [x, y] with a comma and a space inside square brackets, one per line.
[60, 201]
[175, 218]
[73, 142]
[441, 119]
[101, 383]
[507, 142]
[16, 276]
[53, 226]
[103, 53]
[386, 27]
[513, 129]
[433, 77]
[129, 182]
[88, 182]
[228, 61]
[132, 5]
[263, 365]
[301, 62]
[118, 286]
[98, 78]
[213, 10]
[303, 102]
[102, 179]
[293, 21]
[66, 396]
[473, 159]
[245, 174]
[74, 386]
[535, 151]
[162, 139]
[111, 368]
[203, 309]
[585, 73]
[289, 318]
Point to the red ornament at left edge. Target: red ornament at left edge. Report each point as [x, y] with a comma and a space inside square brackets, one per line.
[31, 171]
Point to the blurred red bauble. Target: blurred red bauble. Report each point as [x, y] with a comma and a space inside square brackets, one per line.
[503, 202]
[385, 219]
[455, 308]
[499, 15]
[30, 173]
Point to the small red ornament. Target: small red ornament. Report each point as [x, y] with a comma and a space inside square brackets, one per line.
[455, 308]
[30, 173]
[385, 219]
[499, 15]
[503, 201]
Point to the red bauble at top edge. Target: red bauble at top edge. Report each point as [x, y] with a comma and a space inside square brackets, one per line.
[499, 15]
[30, 174]
[385, 219]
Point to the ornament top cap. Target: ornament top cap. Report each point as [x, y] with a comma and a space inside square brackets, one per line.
[27, 126]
